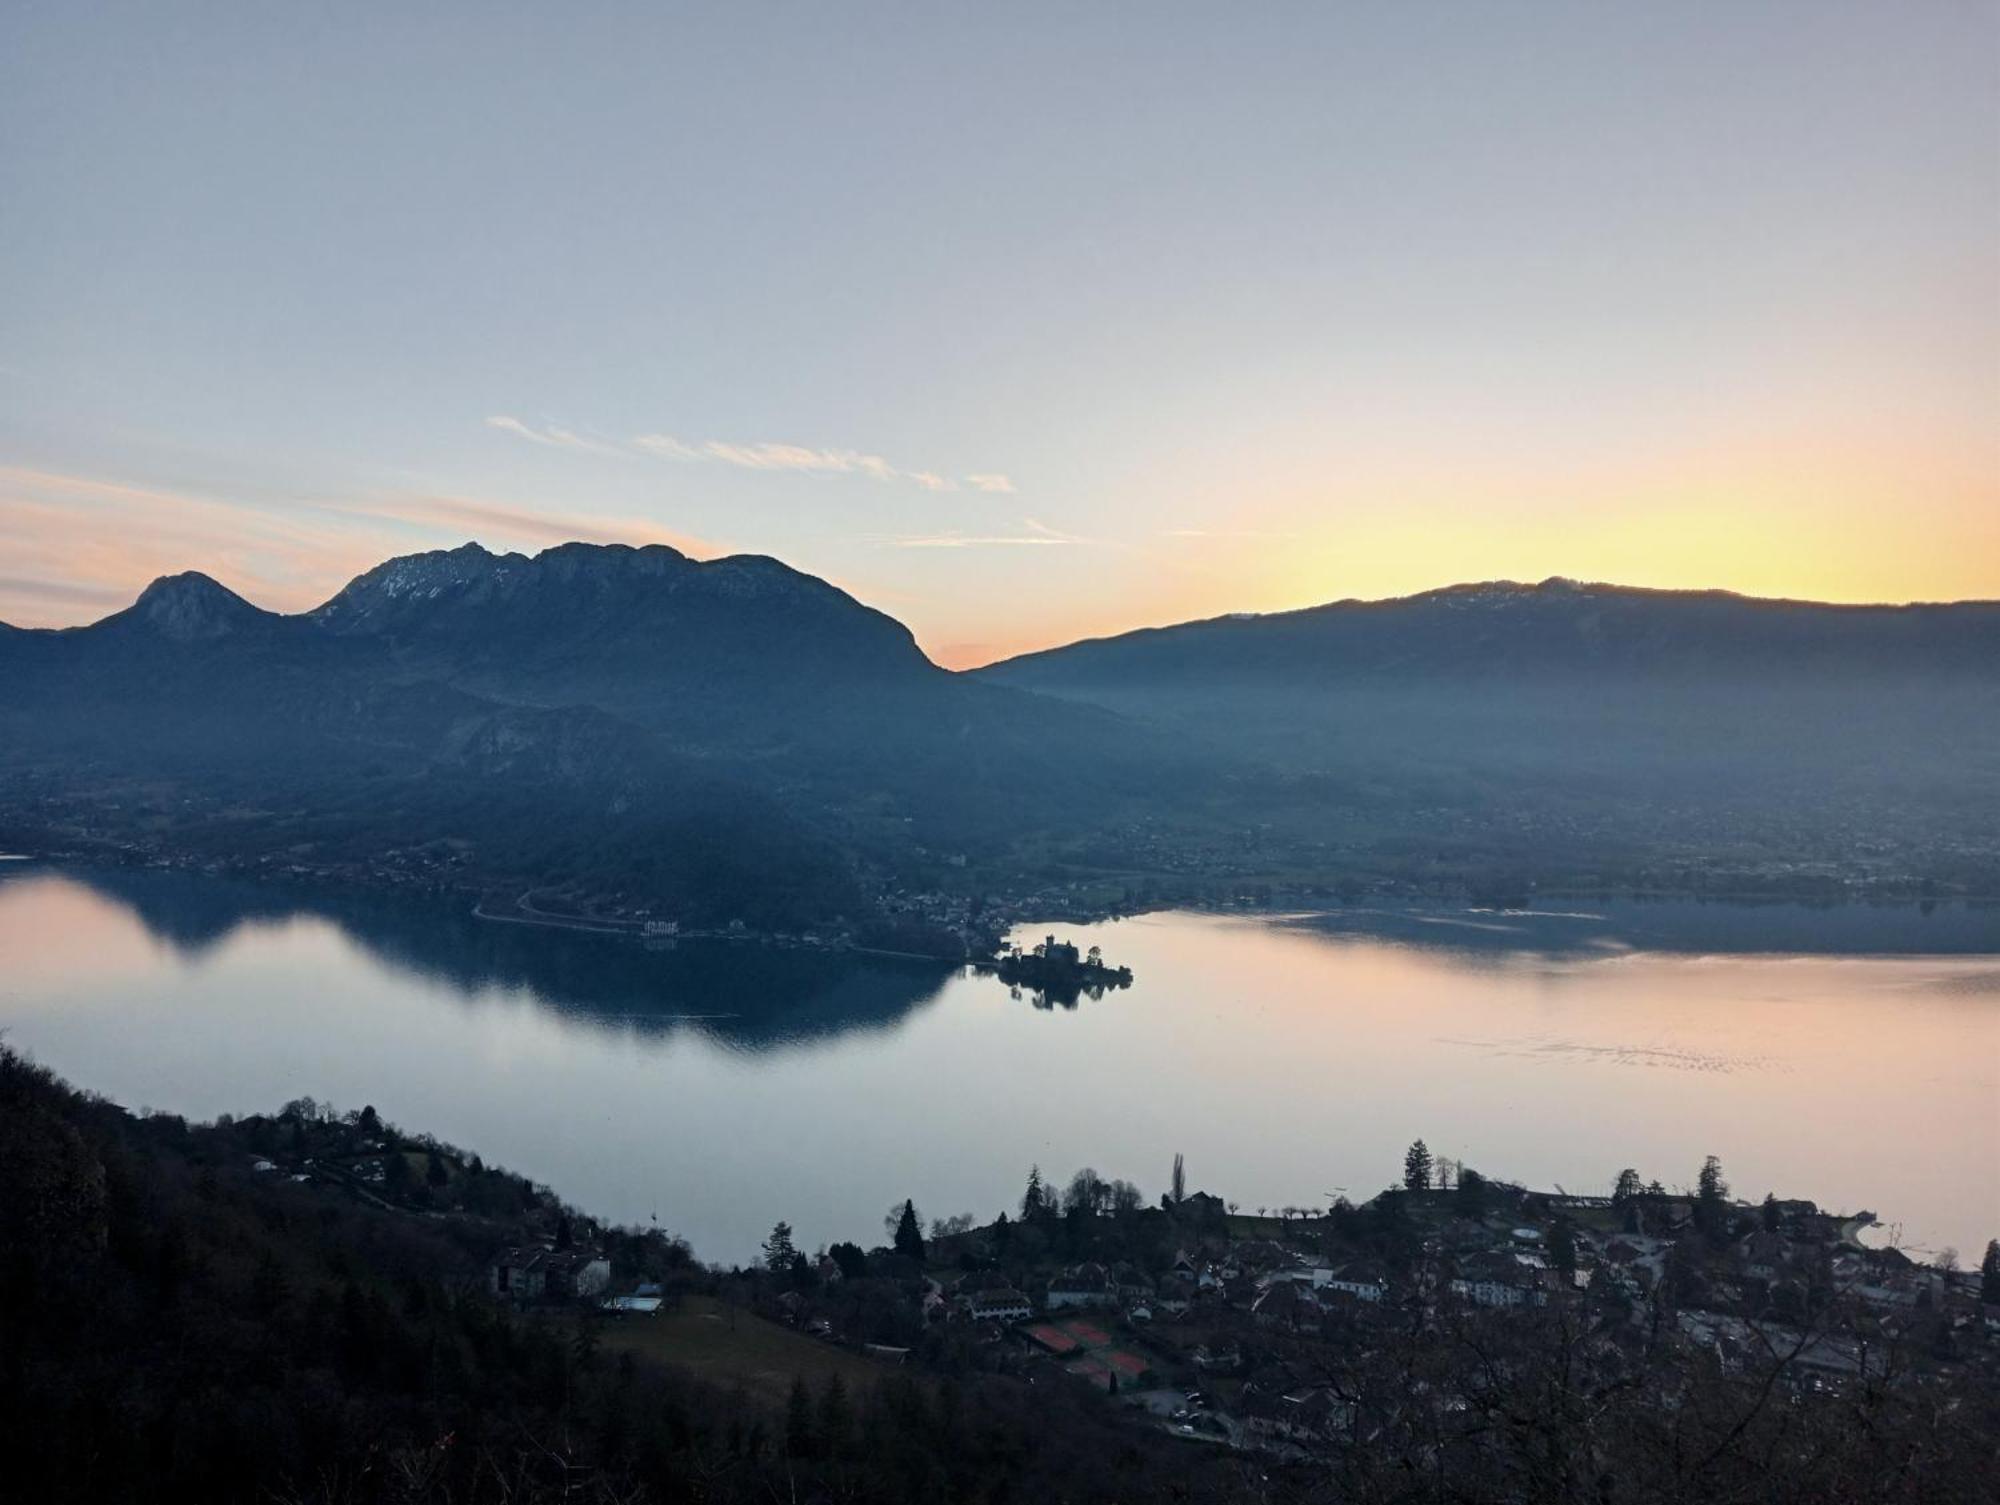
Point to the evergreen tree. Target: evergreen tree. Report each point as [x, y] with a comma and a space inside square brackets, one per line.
[799, 1421]
[1989, 1273]
[1711, 1186]
[1180, 1179]
[1417, 1167]
[910, 1234]
[1711, 1202]
[1772, 1217]
[779, 1252]
[1628, 1186]
[1034, 1201]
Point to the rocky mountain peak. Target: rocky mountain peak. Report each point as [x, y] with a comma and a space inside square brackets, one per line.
[192, 607]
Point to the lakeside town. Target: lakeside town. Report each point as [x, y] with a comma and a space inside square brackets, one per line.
[1289, 1333]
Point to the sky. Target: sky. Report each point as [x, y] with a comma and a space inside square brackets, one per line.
[1022, 323]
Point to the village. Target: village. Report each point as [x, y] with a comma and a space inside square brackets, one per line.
[1414, 1323]
[1295, 1335]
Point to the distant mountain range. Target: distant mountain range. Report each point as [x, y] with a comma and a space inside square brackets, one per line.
[1531, 633]
[733, 729]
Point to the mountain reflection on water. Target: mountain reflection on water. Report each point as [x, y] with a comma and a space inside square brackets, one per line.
[744, 996]
[1848, 1054]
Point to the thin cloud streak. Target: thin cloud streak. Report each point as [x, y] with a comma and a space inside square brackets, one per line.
[1223, 533]
[763, 455]
[1037, 535]
[554, 438]
[65, 591]
[102, 541]
[75, 545]
[962, 541]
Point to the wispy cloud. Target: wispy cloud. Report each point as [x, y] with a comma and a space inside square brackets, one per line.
[763, 454]
[1222, 533]
[769, 456]
[554, 438]
[76, 546]
[1033, 535]
[67, 592]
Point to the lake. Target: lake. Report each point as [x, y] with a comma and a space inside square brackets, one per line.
[1850, 1054]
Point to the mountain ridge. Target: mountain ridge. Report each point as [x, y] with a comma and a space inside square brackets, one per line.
[586, 709]
[1508, 610]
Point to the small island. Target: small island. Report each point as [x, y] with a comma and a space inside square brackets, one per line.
[1057, 971]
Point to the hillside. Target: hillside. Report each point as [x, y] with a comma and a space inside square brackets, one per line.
[1589, 732]
[1558, 629]
[729, 738]
[179, 1320]
[733, 738]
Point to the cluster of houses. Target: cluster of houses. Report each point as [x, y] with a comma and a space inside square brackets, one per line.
[1270, 1284]
[1255, 1324]
[542, 1272]
[1241, 1317]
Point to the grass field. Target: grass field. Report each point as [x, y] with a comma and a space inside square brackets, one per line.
[730, 1347]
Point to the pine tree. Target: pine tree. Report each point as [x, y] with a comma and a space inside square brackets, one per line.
[1989, 1273]
[910, 1234]
[1034, 1201]
[1180, 1179]
[1712, 1188]
[1417, 1167]
[1711, 1202]
[1628, 1186]
[799, 1421]
[779, 1252]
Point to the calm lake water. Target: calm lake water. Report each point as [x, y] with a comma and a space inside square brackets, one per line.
[1851, 1055]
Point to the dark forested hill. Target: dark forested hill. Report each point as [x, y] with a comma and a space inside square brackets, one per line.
[1589, 728]
[637, 721]
[729, 738]
[1558, 629]
[180, 1321]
